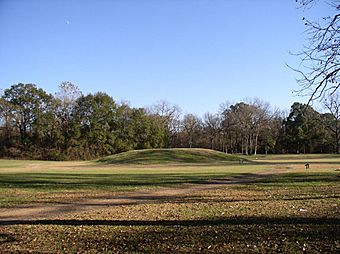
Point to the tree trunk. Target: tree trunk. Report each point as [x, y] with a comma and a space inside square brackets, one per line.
[242, 146]
[255, 146]
[337, 134]
[251, 144]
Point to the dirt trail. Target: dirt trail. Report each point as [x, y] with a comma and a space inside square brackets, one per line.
[52, 210]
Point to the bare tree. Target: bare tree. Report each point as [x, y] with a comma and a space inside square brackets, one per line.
[66, 97]
[243, 123]
[66, 101]
[260, 119]
[191, 125]
[212, 125]
[332, 104]
[170, 115]
[320, 59]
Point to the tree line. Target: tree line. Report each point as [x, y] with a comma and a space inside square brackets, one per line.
[70, 125]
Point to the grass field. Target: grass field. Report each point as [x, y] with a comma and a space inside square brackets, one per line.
[184, 201]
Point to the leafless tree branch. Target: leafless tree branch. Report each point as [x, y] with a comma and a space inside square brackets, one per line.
[320, 60]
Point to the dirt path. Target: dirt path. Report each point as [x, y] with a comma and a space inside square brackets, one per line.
[49, 211]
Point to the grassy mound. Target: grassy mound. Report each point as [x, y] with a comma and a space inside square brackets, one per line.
[167, 156]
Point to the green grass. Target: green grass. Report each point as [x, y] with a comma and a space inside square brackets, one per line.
[291, 211]
[25, 182]
[170, 156]
[243, 218]
[298, 158]
[39, 182]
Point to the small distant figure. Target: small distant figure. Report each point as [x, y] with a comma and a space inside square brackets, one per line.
[241, 161]
[307, 165]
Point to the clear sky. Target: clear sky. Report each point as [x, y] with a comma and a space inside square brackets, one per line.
[193, 53]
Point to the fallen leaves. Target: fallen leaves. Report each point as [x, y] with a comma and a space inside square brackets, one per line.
[224, 227]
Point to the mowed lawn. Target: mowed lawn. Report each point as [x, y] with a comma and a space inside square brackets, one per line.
[290, 210]
[24, 182]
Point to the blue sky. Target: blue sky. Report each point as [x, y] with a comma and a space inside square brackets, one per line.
[194, 53]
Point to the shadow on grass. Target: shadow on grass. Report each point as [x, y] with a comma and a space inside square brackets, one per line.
[109, 201]
[216, 235]
[56, 181]
[77, 181]
[297, 178]
[6, 238]
[185, 223]
[233, 200]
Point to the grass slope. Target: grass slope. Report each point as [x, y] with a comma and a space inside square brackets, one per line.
[168, 156]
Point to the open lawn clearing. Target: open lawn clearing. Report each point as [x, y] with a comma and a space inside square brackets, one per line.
[31, 182]
[251, 217]
[43, 197]
[263, 207]
[45, 183]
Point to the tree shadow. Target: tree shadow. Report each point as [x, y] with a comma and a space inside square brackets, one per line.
[297, 178]
[6, 238]
[219, 235]
[71, 181]
[184, 223]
